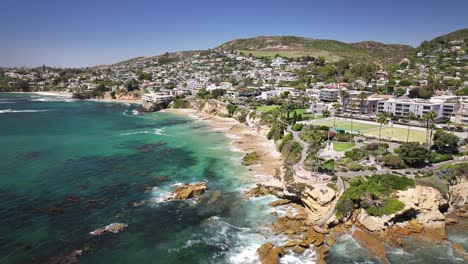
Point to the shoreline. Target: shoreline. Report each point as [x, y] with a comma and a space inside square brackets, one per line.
[243, 139]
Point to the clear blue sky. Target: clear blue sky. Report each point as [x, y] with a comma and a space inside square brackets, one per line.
[87, 33]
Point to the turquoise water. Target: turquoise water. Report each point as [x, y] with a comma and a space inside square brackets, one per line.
[70, 167]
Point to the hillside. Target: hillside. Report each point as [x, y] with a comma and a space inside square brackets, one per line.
[171, 56]
[331, 50]
[440, 41]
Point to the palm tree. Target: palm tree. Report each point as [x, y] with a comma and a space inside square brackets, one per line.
[337, 108]
[411, 116]
[352, 105]
[429, 117]
[374, 198]
[343, 96]
[362, 97]
[382, 119]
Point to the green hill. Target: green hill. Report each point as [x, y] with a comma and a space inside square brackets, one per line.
[441, 41]
[331, 50]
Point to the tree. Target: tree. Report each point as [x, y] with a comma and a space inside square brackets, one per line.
[414, 154]
[382, 119]
[362, 97]
[231, 109]
[337, 108]
[413, 93]
[131, 85]
[445, 142]
[343, 97]
[393, 161]
[429, 117]
[411, 116]
[352, 105]
[325, 113]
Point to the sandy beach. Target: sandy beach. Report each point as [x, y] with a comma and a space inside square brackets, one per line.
[246, 140]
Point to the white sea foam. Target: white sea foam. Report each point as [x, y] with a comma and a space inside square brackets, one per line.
[5, 111]
[135, 133]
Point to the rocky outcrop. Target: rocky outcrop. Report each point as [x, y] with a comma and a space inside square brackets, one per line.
[269, 254]
[113, 228]
[459, 193]
[186, 191]
[318, 201]
[151, 107]
[421, 205]
[261, 190]
[371, 243]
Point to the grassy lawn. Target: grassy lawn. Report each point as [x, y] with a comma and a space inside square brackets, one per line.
[399, 134]
[266, 108]
[342, 146]
[346, 125]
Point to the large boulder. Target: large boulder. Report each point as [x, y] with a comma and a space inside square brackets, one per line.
[269, 254]
[374, 245]
[113, 228]
[186, 191]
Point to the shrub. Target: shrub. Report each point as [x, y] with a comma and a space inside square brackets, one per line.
[445, 142]
[356, 154]
[438, 157]
[389, 206]
[285, 140]
[250, 158]
[373, 146]
[376, 187]
[327, 166]
[297, 127]
[414, 154]
[354, 166]
[231, 109]
[242, 117]
[393, 161]
[343, 137]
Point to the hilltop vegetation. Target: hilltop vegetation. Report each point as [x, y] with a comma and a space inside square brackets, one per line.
[331, 50]
[441, 41]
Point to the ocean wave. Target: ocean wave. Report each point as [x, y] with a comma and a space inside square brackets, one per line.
[4, 111]
[135, 133]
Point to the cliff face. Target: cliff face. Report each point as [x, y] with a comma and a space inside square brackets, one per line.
[151, 107]
[459, 193]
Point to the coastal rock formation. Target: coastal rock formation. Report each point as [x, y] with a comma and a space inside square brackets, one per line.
[459, 193]
[113, 228]
[151, 107]
[318, 201]
[421, 204]
[269, 254]
[374, 245]
[426, 201]
[261, 189]
[186, 191]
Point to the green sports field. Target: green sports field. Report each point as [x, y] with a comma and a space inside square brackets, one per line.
[346, 125]
[399, 134]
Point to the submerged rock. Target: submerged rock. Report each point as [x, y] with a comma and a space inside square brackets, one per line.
[113, 228]
[187, 191]
[69, 258]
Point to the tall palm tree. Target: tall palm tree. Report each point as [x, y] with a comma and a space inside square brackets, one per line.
[337, 108]
[343, 96]
[352, 105]
[382, 119]
[429, 117]
[411, 116]
[362, 97]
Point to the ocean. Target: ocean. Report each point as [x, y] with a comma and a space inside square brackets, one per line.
[69, 167]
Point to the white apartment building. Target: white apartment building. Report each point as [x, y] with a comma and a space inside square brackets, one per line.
[329, 95]
[401, 107]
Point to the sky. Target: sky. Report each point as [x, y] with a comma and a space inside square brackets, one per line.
[80, 33]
